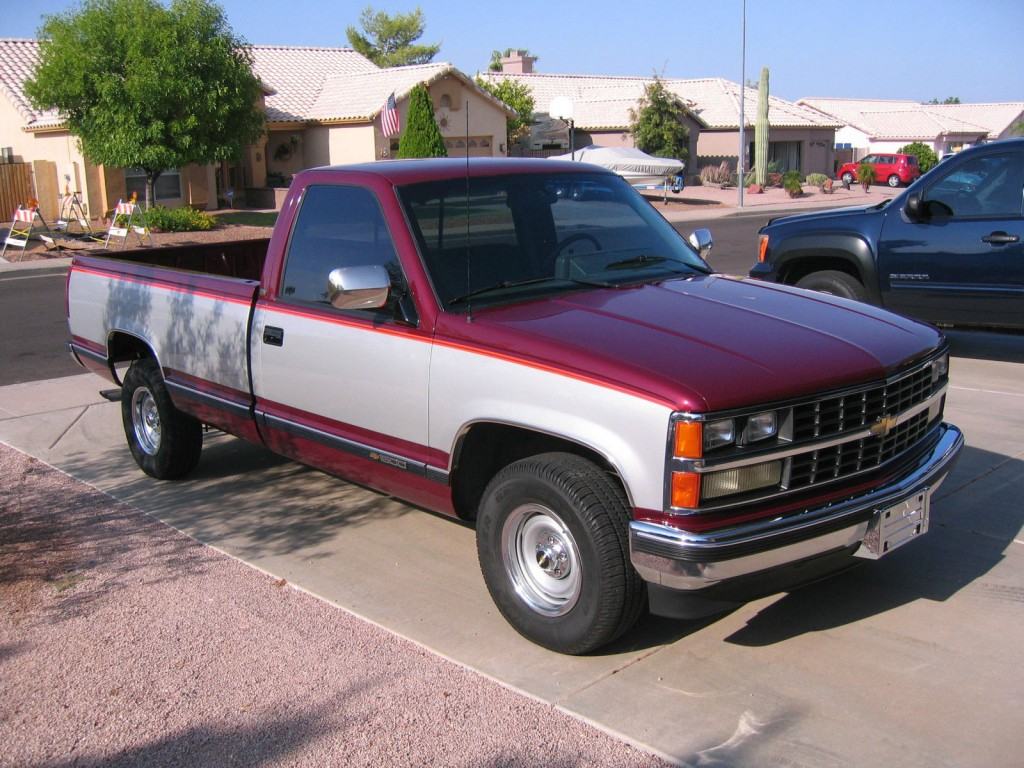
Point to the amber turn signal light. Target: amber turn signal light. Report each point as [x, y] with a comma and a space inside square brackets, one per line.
[762, 248]
[689, 440]
[685, 490]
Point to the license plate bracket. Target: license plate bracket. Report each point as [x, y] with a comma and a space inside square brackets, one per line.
[894, 526]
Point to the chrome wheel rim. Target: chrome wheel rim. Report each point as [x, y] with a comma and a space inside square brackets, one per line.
[848, 177]
[541, 559]
[894, 181]
[146, 421]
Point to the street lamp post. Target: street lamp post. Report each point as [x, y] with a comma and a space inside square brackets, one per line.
[743, 93]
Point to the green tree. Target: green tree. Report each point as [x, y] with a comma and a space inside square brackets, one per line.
[947, 100]
[389, 41]
[657, 123]
[518, 96]
[926, 157]
[1017, 129]
[421, 137]
[145, 86]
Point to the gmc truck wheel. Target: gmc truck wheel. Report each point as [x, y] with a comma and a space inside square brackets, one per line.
[164, 442]
[834, 282]
[552, 539]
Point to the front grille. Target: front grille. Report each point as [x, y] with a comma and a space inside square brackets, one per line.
[856, 456]
[832, 416]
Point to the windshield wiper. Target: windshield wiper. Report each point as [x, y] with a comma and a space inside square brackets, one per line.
[644, 260]
[531, 281]
[637, 261]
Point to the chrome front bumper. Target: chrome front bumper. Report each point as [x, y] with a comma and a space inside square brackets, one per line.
[681, 560]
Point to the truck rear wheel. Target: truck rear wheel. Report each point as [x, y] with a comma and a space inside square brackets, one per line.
[164, 442]
[552, 539]
[834, 282]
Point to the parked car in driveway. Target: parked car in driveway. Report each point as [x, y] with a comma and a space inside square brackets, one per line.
[893, 170]
[947, 250]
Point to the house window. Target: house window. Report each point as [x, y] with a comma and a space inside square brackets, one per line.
[168, 184]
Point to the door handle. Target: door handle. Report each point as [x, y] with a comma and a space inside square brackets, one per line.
[1000, 238]
[273, 336]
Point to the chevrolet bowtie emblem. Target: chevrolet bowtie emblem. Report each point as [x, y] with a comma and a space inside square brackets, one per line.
[883, 426]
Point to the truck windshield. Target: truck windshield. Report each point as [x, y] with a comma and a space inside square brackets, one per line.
[520, 236]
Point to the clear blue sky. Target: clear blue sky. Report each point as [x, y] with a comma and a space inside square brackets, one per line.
[897, 49]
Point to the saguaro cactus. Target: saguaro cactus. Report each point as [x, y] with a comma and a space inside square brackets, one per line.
[761, 131]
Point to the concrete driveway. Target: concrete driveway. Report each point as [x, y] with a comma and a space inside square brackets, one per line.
[914, 660]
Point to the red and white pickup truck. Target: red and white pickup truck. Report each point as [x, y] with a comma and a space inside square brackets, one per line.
[531, 345]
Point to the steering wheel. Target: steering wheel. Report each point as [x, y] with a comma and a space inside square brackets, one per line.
[575, 239]
[563, 263]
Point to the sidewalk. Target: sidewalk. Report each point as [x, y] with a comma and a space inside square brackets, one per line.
[701, 202]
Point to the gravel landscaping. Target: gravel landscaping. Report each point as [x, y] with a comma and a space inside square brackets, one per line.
[126, 643]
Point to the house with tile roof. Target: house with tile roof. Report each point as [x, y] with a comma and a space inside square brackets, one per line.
[323, 107]
[800, 139]
[885, 125]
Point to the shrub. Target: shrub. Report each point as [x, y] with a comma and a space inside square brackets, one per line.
[774, 179]
[791, 183]
[774, 167]
[926, 157]
[716, 174]
[178, 219]
[865, 173]
[278, 179]
[816, 179]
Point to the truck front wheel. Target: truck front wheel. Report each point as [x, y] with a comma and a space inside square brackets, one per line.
[552, 539]
[834, 282]
[164, 442]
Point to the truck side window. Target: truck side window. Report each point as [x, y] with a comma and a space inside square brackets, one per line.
[986, 186]
[337, 226]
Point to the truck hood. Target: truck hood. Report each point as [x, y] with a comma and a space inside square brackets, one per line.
[827, 215]
[706, 343]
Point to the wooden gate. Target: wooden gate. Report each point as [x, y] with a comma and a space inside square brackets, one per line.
[15, 187]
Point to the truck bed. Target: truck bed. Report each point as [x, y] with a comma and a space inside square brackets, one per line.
[231, 258]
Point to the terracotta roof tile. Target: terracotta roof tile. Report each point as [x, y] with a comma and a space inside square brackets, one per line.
[18, 59]
[604, 101]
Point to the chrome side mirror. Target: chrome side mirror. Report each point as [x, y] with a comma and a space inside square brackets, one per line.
[702, 242]
[365, 287]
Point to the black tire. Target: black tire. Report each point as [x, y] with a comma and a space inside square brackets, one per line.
[834, 282]
[564, 505]
[894, 180]
[164, 442]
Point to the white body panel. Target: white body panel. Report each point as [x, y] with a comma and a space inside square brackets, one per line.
[197, 334]
[369, 379]
[629, 431]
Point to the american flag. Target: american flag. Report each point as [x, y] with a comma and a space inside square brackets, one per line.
[389, 123]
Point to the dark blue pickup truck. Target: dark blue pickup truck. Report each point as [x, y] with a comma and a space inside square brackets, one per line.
[948, 249]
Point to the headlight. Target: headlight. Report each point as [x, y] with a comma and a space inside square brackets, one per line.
[940, 368]
[760, 426]
[719, 433]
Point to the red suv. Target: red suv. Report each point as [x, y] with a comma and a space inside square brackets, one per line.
[891, 169]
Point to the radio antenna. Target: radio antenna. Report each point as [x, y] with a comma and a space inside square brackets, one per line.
[469, 250]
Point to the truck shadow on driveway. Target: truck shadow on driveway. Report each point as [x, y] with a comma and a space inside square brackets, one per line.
[975, 518]
[1004, 346]
[261, 503]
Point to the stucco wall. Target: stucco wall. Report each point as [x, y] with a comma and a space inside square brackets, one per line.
[350, 144]
[817, 147]
[486, 119]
